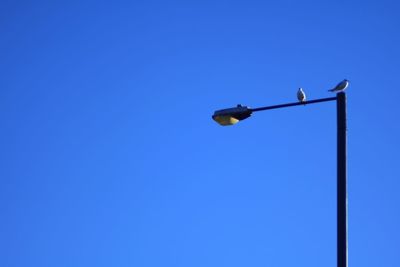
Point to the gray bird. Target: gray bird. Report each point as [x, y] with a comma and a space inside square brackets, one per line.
[340, 87]
[301, 96]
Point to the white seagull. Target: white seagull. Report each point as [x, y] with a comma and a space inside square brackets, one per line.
[301, 96]
[340, 87]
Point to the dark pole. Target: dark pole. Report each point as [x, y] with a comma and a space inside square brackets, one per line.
[341, 169]
[341, 181]
[295, 104]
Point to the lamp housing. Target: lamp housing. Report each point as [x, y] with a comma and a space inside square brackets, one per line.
[231, 116]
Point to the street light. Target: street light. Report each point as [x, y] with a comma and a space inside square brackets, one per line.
[232, 116]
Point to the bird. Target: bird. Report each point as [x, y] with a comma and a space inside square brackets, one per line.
[301, 96]
[340, 86]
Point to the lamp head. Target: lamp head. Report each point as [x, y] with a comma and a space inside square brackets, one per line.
[230, 116]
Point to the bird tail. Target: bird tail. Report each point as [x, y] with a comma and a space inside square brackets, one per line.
[331, 90]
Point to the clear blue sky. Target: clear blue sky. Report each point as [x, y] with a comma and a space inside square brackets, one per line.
[109, 156]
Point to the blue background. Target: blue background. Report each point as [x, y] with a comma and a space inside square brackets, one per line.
[109, 156]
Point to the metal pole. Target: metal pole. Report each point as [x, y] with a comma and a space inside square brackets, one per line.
[294, 104]
[342, 260]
